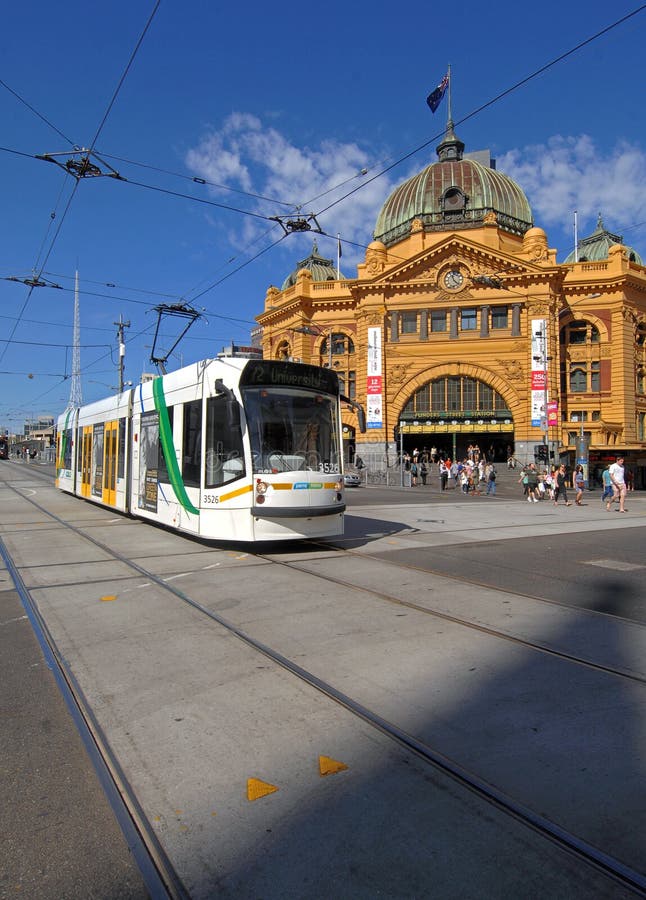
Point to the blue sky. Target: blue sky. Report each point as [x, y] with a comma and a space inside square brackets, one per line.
[277, 105]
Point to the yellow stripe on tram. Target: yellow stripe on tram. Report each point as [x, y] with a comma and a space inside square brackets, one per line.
[243, 490]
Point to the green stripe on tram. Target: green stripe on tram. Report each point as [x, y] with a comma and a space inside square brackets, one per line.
[61, 459]
[168, 448]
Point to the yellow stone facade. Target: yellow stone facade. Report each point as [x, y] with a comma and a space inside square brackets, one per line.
[595, 314]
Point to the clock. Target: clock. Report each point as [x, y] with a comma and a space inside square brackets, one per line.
[453, 279]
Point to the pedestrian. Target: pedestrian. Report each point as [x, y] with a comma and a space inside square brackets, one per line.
[444, 475]
[607, 485]
[532, 484]
[579, 484]
[561, 486]
[423, 471]
[491, 482]
[413, 472]
[618, 480]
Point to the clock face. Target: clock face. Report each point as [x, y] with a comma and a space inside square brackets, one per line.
[453, 279]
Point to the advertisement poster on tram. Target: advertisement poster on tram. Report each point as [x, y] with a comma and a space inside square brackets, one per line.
[149, 451]
[374, 384]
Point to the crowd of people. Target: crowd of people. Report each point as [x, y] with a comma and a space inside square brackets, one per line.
[475, 474]
[553, 483]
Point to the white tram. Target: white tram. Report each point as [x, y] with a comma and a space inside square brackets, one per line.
[227, 449]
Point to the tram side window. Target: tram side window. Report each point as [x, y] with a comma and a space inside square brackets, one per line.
[162, 468]
[224, 449]
[66, 438]
[121, 457]
[97, 459]
[192, 443]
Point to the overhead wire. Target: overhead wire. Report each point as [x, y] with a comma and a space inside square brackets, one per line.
[491, 102]
[123, 77]
[145, 303]
[36, 113]
[201, 181]
[382, 171]
[78, 180]
[161, 190]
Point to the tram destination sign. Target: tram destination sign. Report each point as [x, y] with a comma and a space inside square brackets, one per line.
[287, 374]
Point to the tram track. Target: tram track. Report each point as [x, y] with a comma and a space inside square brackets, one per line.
[436, 613]
[570, 842]
[159, 875]
[457, 620]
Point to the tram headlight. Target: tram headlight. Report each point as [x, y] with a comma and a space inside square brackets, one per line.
[261, 490]
[339, 485]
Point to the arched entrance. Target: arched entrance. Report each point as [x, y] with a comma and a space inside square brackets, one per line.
[452, 412]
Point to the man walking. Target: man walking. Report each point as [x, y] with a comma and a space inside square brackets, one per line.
[618, 484]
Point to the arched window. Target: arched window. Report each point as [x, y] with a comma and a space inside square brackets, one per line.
[455, 395]
[580, 332]
[453, 200]
[341, 345]
[284, 350]
[342, 359]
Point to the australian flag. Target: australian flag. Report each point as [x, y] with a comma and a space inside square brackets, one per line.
[435, 97]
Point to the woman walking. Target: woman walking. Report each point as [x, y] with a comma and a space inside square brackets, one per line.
[561, 488]
[579, 484]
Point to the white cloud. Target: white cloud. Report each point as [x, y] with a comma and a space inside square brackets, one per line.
[571, 173]
[566, 173]
[245, 155]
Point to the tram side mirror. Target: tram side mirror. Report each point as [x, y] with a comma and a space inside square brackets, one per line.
[359, 410]
[233, 414]
[361, 416]
[233, 408]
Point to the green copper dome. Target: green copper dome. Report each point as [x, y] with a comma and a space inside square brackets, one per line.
[451, 194]
[596, 247]
[322, 269]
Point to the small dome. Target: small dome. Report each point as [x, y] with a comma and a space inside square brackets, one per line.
[320, 268]
[597, 246]
[452, 194]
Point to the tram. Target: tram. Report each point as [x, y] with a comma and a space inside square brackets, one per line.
[4, 447]
[225, 449]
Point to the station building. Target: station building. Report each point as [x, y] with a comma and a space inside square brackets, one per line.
[461, 327]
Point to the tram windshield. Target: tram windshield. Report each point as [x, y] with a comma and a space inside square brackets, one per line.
[292, 430]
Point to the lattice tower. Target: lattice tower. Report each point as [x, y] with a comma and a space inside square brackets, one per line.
[76, 394]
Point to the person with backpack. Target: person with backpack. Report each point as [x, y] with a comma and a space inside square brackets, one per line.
[491, 482]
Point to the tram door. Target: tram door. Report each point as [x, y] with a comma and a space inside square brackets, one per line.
[86, 462]
[110, 446]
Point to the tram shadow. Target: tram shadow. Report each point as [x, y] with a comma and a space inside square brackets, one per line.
[360, 531]
[549, 735]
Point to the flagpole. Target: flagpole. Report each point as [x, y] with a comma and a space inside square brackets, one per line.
[338, 256]
[449, 74]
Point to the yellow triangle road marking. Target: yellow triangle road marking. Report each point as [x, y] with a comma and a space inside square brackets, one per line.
[328, 766]
[257, 789]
